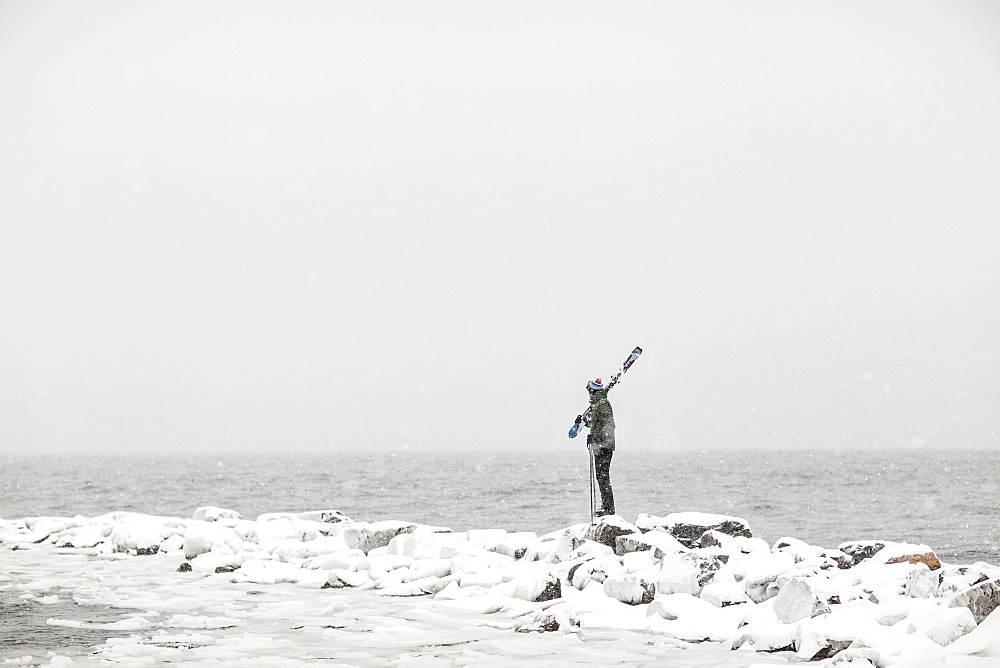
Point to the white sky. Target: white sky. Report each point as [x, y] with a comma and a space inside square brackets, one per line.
[239, 226]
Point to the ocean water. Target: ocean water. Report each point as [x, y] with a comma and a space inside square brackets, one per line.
[949, 500]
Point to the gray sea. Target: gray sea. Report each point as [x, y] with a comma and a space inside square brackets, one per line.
[949, 500]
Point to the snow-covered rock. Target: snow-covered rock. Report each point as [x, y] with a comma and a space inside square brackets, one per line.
[689, 527]
[982, 599]
[657, 540]
[943, 625]
[631, 589]
[214, 514]
[610, 527]
[724, 594]
[797, 600]
[367, 536]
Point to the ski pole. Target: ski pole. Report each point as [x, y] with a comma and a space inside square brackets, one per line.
[592, 509]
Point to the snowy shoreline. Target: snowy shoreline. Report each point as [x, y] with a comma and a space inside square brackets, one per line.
[685, 581]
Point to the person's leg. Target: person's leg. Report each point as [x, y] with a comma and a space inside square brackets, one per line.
[602, 466]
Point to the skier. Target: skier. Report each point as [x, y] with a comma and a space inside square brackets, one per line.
[601, 442]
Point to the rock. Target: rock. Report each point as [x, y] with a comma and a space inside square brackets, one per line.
[367, 536]
[921, 583]
[342, 578]
[927, 558]
[727, 544]
[797, 600]
[767, 637]
[214, 514]
[943, 625]
[195, 545]
[686, 573]
[185, 567]
[724, 594]
[566, 544]
[325, 516]
[533, 587]
[610, 528]
[981, 599]
[659, 541]
[142, 534]
[858, 551]
[824, 636]
[688, 528]
[760, 574]
[960, 578]
[801, 550]
[557, 618]
[631, 589]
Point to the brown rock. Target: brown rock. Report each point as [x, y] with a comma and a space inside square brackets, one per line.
[928, 558]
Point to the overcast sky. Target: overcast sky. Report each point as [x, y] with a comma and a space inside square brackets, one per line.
[248, 226]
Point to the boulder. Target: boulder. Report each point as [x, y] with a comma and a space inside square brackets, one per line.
[559, 617]
[824, 636]
[367, 536]
[798, 600]
[195, 545]
[607, 531]
[943, 625]
[959, 578]
[339, 578]
[214, 514]
[922, 583]
[689, 527]
[566, 544]
[724, 594]
[660, 542]
[325, 516]
[142, 534]
[686, 573]
[759, 573]
[535, 587]
[858, 551]
[767, 636]
[631, 589]
[981, 599]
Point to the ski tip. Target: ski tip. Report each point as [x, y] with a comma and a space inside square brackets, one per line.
[637, 351]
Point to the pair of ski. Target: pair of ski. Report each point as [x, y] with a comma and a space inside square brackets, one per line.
[585, 419]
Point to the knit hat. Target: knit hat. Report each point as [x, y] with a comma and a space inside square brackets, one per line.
[595, 385]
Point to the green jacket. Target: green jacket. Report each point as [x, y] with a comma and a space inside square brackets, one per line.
[601, 422]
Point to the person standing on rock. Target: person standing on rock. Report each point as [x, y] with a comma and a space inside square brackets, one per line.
[601, 442]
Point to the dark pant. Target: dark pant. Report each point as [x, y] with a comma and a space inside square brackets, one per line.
[602, 470]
